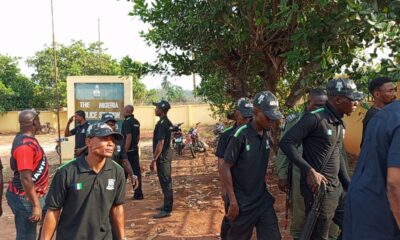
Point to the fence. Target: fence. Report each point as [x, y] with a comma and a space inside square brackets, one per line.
[188, 114]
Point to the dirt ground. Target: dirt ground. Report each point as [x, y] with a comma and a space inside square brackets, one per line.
[198, 207]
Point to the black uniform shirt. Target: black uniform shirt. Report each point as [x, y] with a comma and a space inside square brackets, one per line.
[131, 125]
[80, 135]
[370, 113]
[318, 132]
[249, 154]
[162, 131]
[119, 152]
[86, 198]
[224, 140]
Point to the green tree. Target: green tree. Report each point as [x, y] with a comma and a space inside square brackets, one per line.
[241, 47]
[76, 59]
[137, 70]
[173, 92]
[16, 90]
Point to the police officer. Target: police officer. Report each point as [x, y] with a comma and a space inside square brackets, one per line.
[79, 131]
[87, 193]
[372, 209]
[321, 135]
[243, 172]
[162, 156]
[383, 91]
[119, 154]
[131, 133]
[243, 115]
[316, 99]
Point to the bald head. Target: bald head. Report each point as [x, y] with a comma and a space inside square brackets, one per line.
[128, 110]
[28, 120]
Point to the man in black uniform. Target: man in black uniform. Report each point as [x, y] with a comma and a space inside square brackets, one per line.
[383, 91]
[79, 131]
[88, 192]
[243, 115]
[243, 173]
[321, 134]
[119, 154]
[162, 156]
[131, 133]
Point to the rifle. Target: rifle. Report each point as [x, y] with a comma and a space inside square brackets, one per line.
[312, 216]
[288, 193]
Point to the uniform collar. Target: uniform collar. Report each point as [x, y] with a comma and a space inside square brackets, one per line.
[129, 116]
[334, 116]
[163, 118]
[83, 124]
[84, 167]
[252, 131]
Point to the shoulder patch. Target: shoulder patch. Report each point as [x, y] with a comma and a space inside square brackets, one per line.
[318, 110]
[239, 130]
[292, 117]
[67, 163]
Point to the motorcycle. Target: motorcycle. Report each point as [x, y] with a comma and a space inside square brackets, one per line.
[218, 130]
[177, 138]
[194, 142]
[46, 129]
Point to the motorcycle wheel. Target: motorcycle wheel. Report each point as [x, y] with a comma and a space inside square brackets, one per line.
[202, 146]
[58, 150]
[192, 151]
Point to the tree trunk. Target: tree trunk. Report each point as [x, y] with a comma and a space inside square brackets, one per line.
[299, 89]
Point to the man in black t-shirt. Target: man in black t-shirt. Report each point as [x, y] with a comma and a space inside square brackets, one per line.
[321, 164]
[131, 133]
[243, 115]
[383, 91]
[162, 156]
[87, 193]
[79, 131]
[243, 173]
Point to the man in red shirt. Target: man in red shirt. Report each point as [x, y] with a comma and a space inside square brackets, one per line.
[26, 190]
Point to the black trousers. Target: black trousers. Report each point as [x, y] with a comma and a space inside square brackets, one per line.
[133, 157]
[263, 219]
[164, 176]
[332, 209]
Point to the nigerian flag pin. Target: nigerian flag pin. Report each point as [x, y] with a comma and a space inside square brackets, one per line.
[79, 186]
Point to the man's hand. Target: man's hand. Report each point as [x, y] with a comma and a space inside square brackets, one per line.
[314, 180]
[135, 182]
[71, 119]
[152, 165]
[283, 185]
[36, 214]
[233, 211]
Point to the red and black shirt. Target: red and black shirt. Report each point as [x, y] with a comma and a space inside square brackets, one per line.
[27, 154]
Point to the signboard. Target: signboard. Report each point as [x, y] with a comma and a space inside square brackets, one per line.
[98, 98]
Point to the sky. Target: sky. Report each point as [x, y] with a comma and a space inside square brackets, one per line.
[25, 27]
